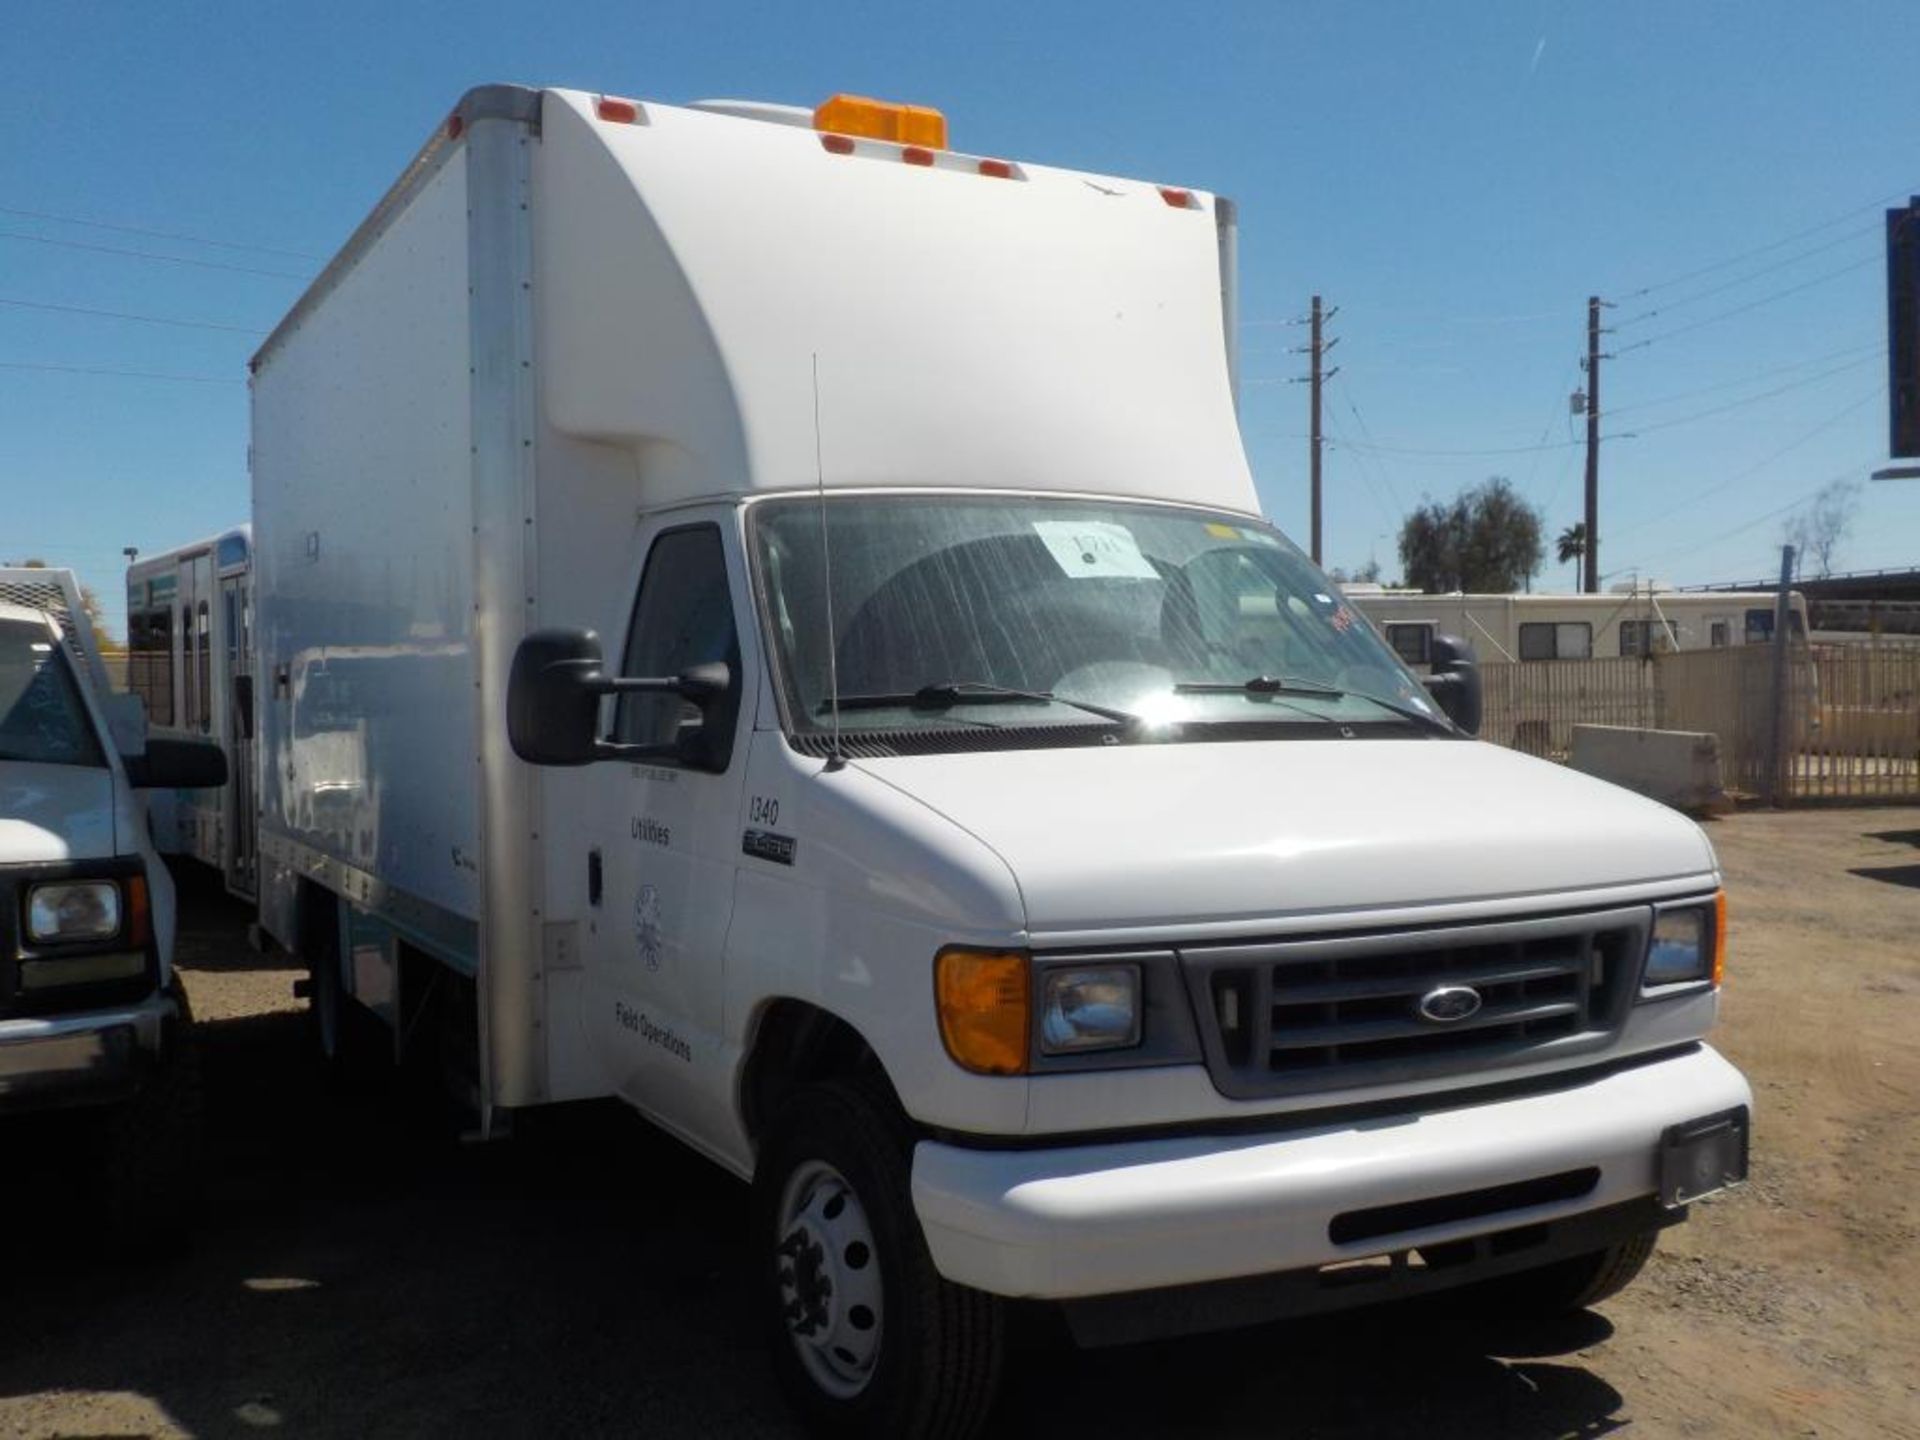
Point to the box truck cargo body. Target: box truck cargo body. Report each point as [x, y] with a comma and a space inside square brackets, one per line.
[981, 829]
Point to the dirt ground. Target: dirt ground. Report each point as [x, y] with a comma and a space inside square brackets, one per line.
[587, 1279]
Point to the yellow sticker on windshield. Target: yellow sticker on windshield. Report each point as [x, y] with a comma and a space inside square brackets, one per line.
[1222, 532]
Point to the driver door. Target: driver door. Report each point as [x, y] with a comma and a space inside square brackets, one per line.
[654, 958]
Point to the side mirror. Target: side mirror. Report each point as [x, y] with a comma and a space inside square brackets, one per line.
[243, 704]
[553, 699]
[1455, 681]
[177, 765]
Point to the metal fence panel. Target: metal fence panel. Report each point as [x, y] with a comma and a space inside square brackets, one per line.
[1851, 729]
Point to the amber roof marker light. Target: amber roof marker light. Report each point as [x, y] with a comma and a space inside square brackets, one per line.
[870, 119]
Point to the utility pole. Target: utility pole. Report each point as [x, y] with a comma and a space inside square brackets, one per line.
[1316, 379]
[1591, 559]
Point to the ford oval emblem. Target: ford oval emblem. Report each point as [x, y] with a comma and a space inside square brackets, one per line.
[1449, 1004]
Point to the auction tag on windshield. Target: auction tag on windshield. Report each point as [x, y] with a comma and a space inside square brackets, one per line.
[1095, 549]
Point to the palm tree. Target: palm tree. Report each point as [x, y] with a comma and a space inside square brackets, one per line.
[1572, 544]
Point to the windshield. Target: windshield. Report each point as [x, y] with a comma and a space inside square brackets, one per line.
[992, 613]
[42, 717]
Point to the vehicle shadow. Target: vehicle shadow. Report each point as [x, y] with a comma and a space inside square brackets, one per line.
[1908, 875]
[357, 1274]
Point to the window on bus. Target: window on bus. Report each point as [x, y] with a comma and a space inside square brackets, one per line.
[150, 662]
[1636, 637]
[203, 655]
[1556, 640]
[1718, 634]
[1760, 625]
[1412, 643]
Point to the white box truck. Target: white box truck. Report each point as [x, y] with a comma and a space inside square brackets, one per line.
[987, 834]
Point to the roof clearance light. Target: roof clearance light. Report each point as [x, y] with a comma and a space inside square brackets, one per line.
[618, 111]
[836, 144]
[1179, 199]
[455, 124]
[882, 120]
[997, 169]
[914, 155]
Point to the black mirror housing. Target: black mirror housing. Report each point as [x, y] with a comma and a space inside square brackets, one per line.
[553, 698]
[177, 765]
[1455, 682]
[553, 702]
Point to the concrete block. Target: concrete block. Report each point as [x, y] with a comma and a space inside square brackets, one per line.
[1679, 767]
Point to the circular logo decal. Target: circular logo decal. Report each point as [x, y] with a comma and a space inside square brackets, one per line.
[1449, 1004]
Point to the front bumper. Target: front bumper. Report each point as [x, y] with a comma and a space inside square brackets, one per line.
[1136, 1215]
[48, 1061]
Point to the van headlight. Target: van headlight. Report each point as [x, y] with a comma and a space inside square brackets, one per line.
[1687, 946]
[68, 910]
[1097, 1008]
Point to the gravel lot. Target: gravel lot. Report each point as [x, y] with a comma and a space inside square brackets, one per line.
[586, 1280]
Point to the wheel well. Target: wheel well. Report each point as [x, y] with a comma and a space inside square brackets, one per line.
[797, 1043]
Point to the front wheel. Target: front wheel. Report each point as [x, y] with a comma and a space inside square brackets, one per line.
[1574, 1283]
[867, 1338]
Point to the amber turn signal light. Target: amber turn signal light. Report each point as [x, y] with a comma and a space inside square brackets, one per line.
[1719, 936]
[983, 997]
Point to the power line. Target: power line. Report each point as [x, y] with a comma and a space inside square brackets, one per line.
[156, 234]
[1805, 498]
[1410, 450]
[149, 255]
[1798, 235]
[1879, 346]
[123, 374]
[1756, 468]
[1750, 305]
[1752, 399]
[1734, 284]
[128, 315]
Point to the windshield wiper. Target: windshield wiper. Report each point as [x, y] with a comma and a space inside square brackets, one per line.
[945, 694]
[1260, 685]
[1407, 712]
[1286, 685]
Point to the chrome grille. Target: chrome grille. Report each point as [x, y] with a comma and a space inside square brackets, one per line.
[1338, 1011]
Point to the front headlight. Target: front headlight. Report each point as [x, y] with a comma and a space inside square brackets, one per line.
[73, 910]
[1687, 946]
[1090, 1009]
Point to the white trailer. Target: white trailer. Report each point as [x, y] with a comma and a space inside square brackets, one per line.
[190, 660]
[1635, 621]
[991, 838]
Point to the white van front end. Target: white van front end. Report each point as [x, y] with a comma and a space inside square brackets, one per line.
[1263, 923]
[1219, 976]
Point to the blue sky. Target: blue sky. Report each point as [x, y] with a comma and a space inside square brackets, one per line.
[1457, 177]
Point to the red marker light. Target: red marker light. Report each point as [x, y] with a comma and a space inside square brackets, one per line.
[619, 112]
[836, 144]
[454, 126]
[997, 169]
[1179, 199]
[914, 155]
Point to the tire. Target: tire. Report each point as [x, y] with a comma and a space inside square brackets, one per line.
[831, 1207]
[1572, 1284]
[152, 1149]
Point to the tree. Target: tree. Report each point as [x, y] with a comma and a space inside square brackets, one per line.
[1572, 544]
[1487, 539]
[1817, 532]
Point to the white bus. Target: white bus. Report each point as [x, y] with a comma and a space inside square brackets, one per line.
[189, 659]
[1641, 621]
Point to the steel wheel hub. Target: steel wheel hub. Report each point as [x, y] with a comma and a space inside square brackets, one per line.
[829, 1278]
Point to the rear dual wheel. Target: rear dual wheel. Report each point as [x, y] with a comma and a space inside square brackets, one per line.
[867, 1338]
